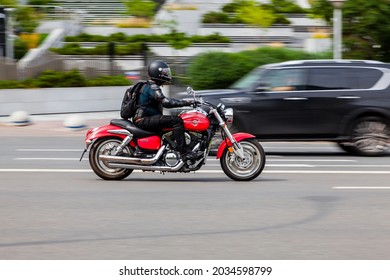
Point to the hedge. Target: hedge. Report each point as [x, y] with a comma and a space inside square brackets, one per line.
[134, 44]
[214, 70]
[73, 78]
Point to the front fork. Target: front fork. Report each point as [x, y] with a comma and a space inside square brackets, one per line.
[235, 147]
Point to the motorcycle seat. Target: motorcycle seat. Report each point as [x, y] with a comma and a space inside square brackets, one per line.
[128, 125]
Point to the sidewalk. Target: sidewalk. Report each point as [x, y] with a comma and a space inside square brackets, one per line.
[53, 125]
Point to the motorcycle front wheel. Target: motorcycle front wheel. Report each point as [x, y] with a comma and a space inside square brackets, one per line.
[249, 167]
[105, 146]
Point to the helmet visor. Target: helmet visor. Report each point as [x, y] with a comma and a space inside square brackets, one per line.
[166, 73]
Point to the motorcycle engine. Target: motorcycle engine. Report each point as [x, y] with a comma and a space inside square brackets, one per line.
[192, 140]
[171, 158]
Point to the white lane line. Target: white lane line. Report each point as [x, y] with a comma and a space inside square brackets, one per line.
[299, 160]
[46, 159]
[327, 172]
[49, 150]
[290, 165]
[315, 160]
[35, 170]
[352, 165]
[361, 188]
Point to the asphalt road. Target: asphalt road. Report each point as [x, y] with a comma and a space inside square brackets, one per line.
[312, 201]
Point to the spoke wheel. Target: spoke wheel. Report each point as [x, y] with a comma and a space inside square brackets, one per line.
[100, 167]
[370, 137]
[249, 167]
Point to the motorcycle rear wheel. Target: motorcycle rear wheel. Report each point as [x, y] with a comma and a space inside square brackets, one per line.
[104, 147]
[248, 168]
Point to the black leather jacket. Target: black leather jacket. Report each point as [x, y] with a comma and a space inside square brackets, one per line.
[152, 100]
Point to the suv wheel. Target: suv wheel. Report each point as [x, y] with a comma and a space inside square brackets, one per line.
[370, 136]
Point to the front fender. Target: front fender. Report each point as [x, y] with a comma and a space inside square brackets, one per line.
[238, 136]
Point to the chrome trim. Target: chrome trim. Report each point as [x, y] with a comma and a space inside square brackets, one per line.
[228, 100]
[133, 160]
[148, 167]
[120, 131]
[348, 97]
[295, 98]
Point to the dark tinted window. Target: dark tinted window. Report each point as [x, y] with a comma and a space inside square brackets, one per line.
[342, 78]
[249, 80]
[285, 79]
[365, 78]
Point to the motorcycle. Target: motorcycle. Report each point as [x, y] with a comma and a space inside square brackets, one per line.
[120, 147]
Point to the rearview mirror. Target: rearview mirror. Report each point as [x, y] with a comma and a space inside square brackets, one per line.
[263, 86]
[190, 90]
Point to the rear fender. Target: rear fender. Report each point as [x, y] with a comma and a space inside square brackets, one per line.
[102, 131]
[238, 136]
[96, 133]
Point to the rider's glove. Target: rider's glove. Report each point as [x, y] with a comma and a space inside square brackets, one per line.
[193, 103]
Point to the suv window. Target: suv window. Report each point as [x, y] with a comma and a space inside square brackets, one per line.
[365, 78]
[285, 79]
[249, 80]
[333, 78]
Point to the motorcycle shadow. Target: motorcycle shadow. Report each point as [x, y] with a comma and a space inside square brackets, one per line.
[204, 180]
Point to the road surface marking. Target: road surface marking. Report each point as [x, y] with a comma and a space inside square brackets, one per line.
[361, 188]
[64, 159]
[49, 150]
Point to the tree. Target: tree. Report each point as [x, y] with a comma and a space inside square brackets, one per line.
[26, 19]
[366, 27]
[252, 13]
[141, 8]
[8, 3]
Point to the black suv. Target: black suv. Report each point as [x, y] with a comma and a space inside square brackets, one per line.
[344, 101]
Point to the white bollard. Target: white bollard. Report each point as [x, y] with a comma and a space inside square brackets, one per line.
[20, 118]
[75, 122]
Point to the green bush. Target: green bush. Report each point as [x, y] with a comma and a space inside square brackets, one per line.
[215, 70]
[108, 81]
[216, 17]
[20, 48]
[41, 2]
[229, 11]
[102, 49]
[51, 78]
[134, 44]
[73, 78]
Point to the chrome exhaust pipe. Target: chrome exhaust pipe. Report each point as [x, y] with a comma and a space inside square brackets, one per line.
[148, 167]
[133, 160]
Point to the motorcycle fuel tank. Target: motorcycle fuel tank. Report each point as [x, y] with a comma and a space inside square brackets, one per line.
[195, 121]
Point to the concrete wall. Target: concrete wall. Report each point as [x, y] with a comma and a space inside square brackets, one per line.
[66, 100]
[61, 100]
[7, 71]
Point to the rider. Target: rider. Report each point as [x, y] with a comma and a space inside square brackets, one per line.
[149, 115]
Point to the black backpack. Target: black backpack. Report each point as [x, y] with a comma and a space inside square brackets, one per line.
[130, 100]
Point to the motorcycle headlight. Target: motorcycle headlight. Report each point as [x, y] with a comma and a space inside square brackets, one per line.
[228, 115]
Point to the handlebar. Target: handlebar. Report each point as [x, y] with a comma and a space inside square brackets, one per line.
[191, 91]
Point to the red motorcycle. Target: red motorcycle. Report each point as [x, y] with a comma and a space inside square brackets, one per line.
[120, 147]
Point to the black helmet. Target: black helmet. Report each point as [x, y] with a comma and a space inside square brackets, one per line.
[159, 71]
